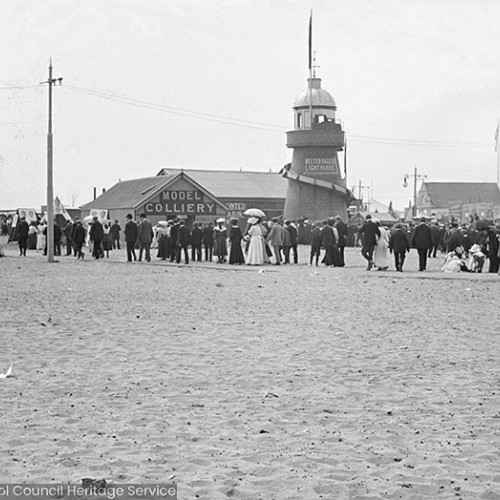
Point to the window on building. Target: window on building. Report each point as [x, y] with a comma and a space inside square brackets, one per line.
[299, 120]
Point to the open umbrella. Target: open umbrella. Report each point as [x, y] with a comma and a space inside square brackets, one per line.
[254, 212]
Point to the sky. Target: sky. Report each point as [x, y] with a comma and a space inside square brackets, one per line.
[195, 84]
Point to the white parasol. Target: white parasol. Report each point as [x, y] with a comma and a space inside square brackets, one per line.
[254, 212]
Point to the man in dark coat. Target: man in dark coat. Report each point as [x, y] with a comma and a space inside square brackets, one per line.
[369, 231]
[78, 239]
[96, 235]
[454, 237]
[68, 232]
[57, 239]
[196, 240]
[329, 241]
[342, 232]
[316, 242]
[73, 245]
[422, 241]
[399, 244]
[114, 233]
[131, 233]
[183, 240]
[294, 240]
[435, 240]
[208, 241]
[23, 230]
[492, 248]
[145, 237]
[174, 241]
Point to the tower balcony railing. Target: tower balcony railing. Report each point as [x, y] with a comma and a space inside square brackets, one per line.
[319, 135]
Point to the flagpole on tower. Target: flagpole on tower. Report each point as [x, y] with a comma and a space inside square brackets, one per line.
[310, 69]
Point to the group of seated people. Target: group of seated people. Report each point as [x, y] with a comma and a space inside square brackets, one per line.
[458, 260]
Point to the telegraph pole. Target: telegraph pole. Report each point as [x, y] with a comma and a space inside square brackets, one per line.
[360, 199]
[50, 184]
[405, 184]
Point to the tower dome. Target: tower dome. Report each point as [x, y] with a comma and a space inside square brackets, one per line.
[320, 97]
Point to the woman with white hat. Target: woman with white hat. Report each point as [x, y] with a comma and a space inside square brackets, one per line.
[220, 243]
[255, 256]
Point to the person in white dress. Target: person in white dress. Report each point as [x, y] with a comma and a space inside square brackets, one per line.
[40, 237]
[380, 255]
[255, 255]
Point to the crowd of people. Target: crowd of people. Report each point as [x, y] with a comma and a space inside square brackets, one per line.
[463, 247]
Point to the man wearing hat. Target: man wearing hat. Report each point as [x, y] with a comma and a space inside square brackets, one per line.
[492, 248]
[96, 235]
[275, 238]
[293, 240]
[196, 240]
[183, 240]
[399, 244]
[422, 241]
[22, 236]
[369, 232]
[342, 231]
[131, 234]
[145, 237]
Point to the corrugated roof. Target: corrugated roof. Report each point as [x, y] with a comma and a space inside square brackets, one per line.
[444, 193]
[236, 184]
[220, 183]
[126, 194]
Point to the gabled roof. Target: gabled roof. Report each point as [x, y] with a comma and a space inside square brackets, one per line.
[132, 194]
[127, 194]
[442, 194]
[236, 184]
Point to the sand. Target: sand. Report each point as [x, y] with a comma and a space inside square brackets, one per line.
[291, 383]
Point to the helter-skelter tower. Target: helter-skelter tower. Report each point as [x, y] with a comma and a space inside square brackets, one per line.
[316, 188]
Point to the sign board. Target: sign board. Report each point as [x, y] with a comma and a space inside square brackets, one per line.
[236, 210]
[100, 213]
[181, 202]
[321, 165]
[28, 213]
[455, 210]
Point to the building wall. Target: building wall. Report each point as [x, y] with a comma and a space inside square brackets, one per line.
[312, 202]
[182, 200]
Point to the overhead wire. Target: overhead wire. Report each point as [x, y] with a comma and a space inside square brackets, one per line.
[263, 125]
[179, 111]
[227, 120]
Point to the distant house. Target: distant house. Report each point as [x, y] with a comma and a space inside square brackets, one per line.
[463, 201]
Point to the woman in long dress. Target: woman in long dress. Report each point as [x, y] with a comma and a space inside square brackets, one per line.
[235, 237]
[107, 244]
[32, 233]
[162, 235]
[255, 255]
[40, 237]
[380, 255]
[220, 244]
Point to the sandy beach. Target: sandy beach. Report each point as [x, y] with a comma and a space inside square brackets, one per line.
[266, 383]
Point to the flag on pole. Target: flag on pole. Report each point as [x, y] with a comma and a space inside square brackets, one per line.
[310, 40]
[496, 136]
